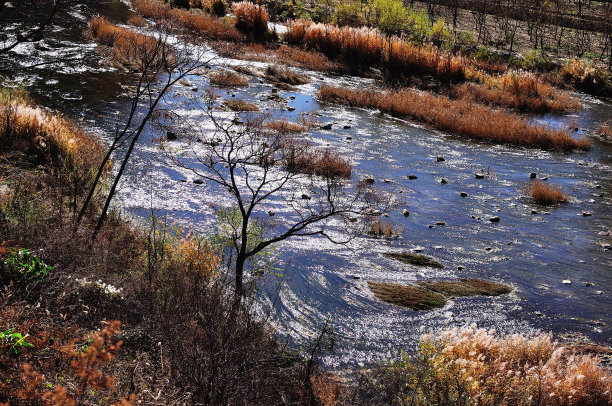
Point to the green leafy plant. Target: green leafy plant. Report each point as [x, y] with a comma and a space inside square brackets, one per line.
[27, 268]
[14, 339]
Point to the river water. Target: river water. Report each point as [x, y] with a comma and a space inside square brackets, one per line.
[320, 281]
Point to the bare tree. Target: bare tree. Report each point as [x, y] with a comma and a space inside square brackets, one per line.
[159, 62]
[257, 168]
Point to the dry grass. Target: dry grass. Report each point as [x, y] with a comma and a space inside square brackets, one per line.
[460, 117]
[605, 130]
[251, 19]
[382, 229]
[414, 259]
[414, 297]
[517, 370]
[240, 105]
[129, 48]
[467, 287]
[285, 127]
[50, 137]
[285, 77]
[305, 59]
[521, 92]
[224, 78]
[367, 47]
[201, 24]
[545, 194]
[299, 157]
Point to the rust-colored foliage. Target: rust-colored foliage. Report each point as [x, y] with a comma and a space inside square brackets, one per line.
[129, 48]
[251, 18]
[545, 194]
[224, 78]
[201, 24]
[368, 47]
[300, 157]
[461, 117]
[523, 92]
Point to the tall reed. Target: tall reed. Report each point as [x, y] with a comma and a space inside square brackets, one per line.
[460, 117]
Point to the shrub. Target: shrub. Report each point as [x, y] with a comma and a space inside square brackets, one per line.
[473, 366]
[460, 117]
[226, 78]
[251, 18]
[348, 12]
[26, 269]
[218, 8]
[545, 194]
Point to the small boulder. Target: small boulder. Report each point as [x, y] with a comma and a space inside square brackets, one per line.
[532, 175]
[412, 177]
[271, 213]
[327, 126]
[567, 282]
[198, 181]
[305, 196]
[440, 158]
[463, 194]
[494, 219]
[171, 136]
[479, 175]
[443, 181]
[405, 212]
[346, 127]
[587, 214]
[368, 180]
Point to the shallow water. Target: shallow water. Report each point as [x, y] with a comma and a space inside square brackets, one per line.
[321, 281]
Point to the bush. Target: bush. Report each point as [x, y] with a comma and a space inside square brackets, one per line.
[218, 8]
[605, 130]
[251, 19]
[26, 269]
[473, 366]
[348, 12]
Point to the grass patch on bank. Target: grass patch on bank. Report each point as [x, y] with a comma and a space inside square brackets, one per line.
[202, 24]
[467, 287]
[460, 117]
[414, 259]
[414, 297]
[604, 130]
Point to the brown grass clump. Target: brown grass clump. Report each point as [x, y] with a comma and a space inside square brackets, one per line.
[291, 56]
[521, 92]
[202, 24]
[382, 229]
[545, 194]
[129, 48]
[226, 78]
[414, 297]
[285, 127]
[467, 287]
[367, 47]
[301, 158]
[414, 259]
[251, 18]
[605, 131]
[240, 105]
[477, 366]
[284, 75]
[460, 117]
